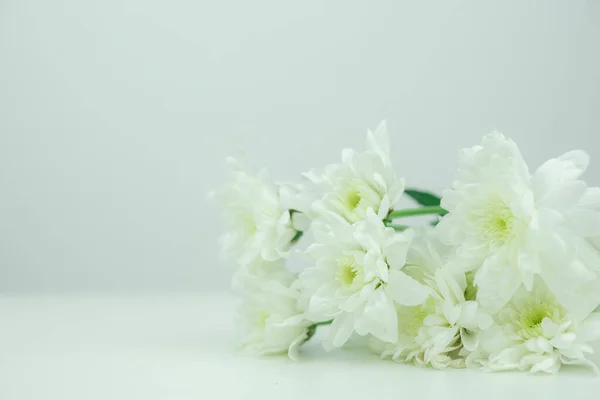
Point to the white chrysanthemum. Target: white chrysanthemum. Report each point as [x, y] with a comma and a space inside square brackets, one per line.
[514, 225]
[260, 226]
[298, 198]
[358, 278]
[447, 323]
[361, 182]
[270, 312]
[535, 333]
[251, 277]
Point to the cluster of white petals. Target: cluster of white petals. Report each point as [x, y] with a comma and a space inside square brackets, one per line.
[440, 330]
[358, 278]
[363, 181]
[536, 333]
[506, 276]
[511, 225]
[260, 227]
[269, 310]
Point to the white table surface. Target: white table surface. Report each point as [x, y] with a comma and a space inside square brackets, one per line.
[180, 347]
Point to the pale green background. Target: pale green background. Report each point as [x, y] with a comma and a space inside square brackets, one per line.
[115, 115]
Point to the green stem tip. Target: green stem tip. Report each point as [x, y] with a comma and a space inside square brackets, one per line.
[397, 228]
[409, 212]
[312, 329]
[322, 323]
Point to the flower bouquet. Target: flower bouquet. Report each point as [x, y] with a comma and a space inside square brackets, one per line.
[503, 276]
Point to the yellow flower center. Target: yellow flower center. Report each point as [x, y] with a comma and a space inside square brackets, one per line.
[411, 319]
[347, 274]
[248, 223]
[262, 319]
[496, 222]
[352, 199]
[347, 270]
[530, 320]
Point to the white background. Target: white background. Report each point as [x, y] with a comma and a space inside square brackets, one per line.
[179, 347]
[115, 116]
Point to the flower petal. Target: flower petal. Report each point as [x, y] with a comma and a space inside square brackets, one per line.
[496, 284]
[379, 318]
[405, 290]
[339, 332]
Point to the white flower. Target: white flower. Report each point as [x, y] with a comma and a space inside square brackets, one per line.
[448, 321]
[362, 181]
[259, 224]
[250, 278]
[535, 333]
[270, 313]
[297, 198]
[358, 277]
[512, 225]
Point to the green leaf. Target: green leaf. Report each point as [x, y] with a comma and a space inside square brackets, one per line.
[423, 198]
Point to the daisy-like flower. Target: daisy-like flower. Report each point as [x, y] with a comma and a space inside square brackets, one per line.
[270, 312]
[445, 326]
[358, 278]
[512, 225]
[260, 226]
[534, 333]
[250, 278]
[361, 182]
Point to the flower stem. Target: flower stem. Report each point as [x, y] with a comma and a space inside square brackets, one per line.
[297, 237]
[397, 228]
[313, 328]
[322, 323]
[409, 212]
